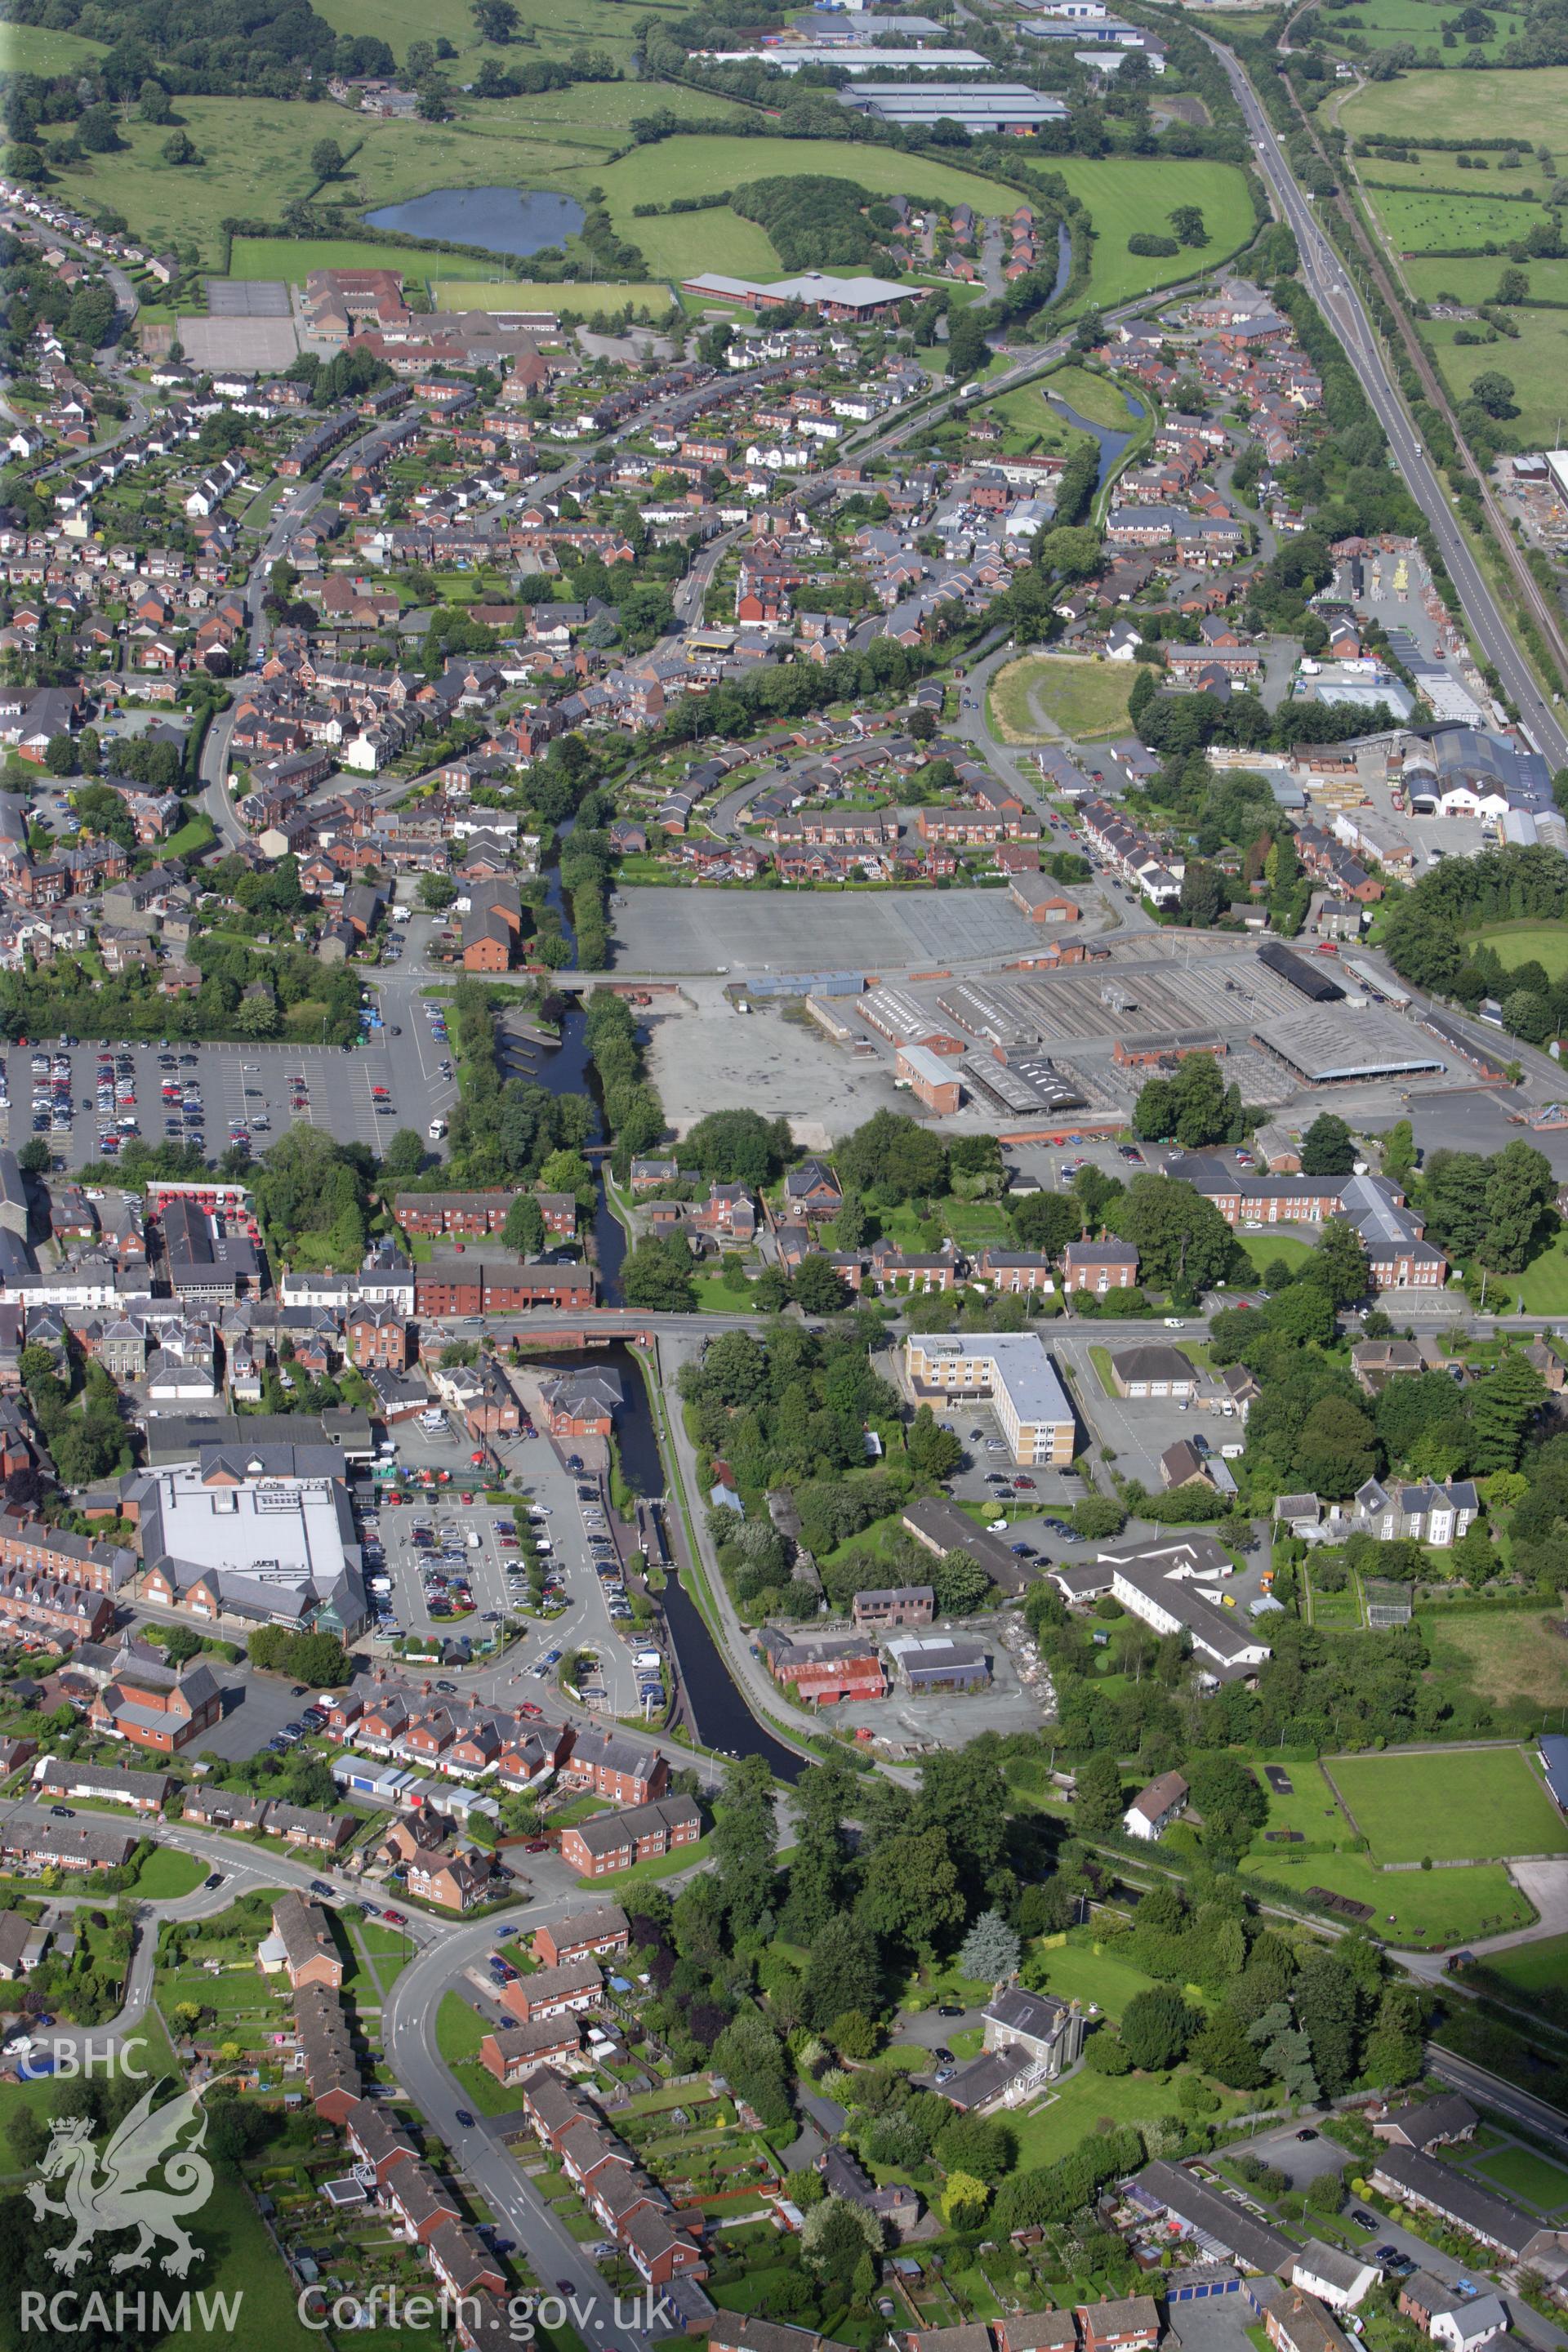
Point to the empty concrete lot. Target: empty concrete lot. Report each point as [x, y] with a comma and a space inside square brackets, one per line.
[752, 932]
[709, 1052]
[259, 346]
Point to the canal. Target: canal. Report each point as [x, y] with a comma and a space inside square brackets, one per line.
[723, 1720]
[1111, 443]
[568, 1069]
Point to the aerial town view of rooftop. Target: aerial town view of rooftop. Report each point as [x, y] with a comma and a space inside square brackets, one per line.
[783, 1176]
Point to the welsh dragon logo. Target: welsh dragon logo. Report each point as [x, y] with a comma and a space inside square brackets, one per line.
[118, 2197]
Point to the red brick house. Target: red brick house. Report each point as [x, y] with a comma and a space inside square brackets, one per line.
[617, 1765]
[583, 1935]
[611, 1841]
[1105, 1264]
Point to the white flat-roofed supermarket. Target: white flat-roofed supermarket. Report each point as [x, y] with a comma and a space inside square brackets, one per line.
[852, 60]
[1557, 466]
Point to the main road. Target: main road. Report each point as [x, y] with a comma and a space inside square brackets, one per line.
[1329, 284]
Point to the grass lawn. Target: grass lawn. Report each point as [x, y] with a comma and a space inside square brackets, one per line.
[166, 1873]
[31, 49]
[1485, 106]
[1095, 397]
[973, 1223]
[459, 2029]
[1263, 1248]
[197, 834]
[1126, 193]
[1534, 1967]
[1055, 2129]
[1424, 1908]
[1535, 363]
[1467, 1805]
[1417, 220]
[714, 1296]
[1521, 2173]
[1542, 1287]
[1083, 697]
[1029, 425]
[1511, 1656]
[1385, 21]
[1516, 943]
[1474, 279]
[517, 294]
[1100, 1359]
[294, 257]
[243, 2261]
[1087, 1972]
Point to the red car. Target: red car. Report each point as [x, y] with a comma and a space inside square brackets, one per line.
[395, 1918]
[527, 1706]
[467, 1498]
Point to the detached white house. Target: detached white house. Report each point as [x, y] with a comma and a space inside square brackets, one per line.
[1470, 2324]
[1153, 1809]
[1338, 2279]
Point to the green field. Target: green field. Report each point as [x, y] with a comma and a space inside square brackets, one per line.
[1082, 696]
[1124, 194]
[539, 294]
[1312, 1808]
[1416, 219]
[683, 244]
[1516, 943]
[1264, 1248]
[1089, 1973]
[1514, 1657]
[258, 156]
[1485, 106]
[1424, 1909]
[1536, 365]
[31, 49]
[1520, 2172]
[166, 1875]
[1476, 281]
[1095, 397]
[1534, 1967]
[1475, 1804]
[1417, 21]
[1029, 425]
[547, 26]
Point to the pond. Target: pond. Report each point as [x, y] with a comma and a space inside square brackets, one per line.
[498, 220]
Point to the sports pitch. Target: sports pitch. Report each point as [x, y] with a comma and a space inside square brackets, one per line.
[1465, 1804]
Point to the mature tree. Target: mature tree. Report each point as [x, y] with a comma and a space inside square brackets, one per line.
[1327, 1147]
[991, 1949]
[658, 1273]
[403, 1157]
[737, 1147]
[745, 1837]
[1337, 1449]
[934, 1451]
[1394, 2051]
[1454, 1190]
[959, 1584]
[1325, 1995]
[1399, 1151]
[1502, 1409]
[1519, 1191]
[1156, 2027]
[1304, 1313]
[842, 1971]
[523, 1230]
[911, 1894]
[978, 2145]
[437, 892]
[818, 1286]
[1202, 898]
[1340, 1265]
[1228, 1794]
[1098, 1804]
[1045, 1222]
[1495, 393]
[1287, 2051]
[893, 1156]
[1221, 2048]
[497, 20]
[326, 159]
[1183, 1243]
[1187, 224]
